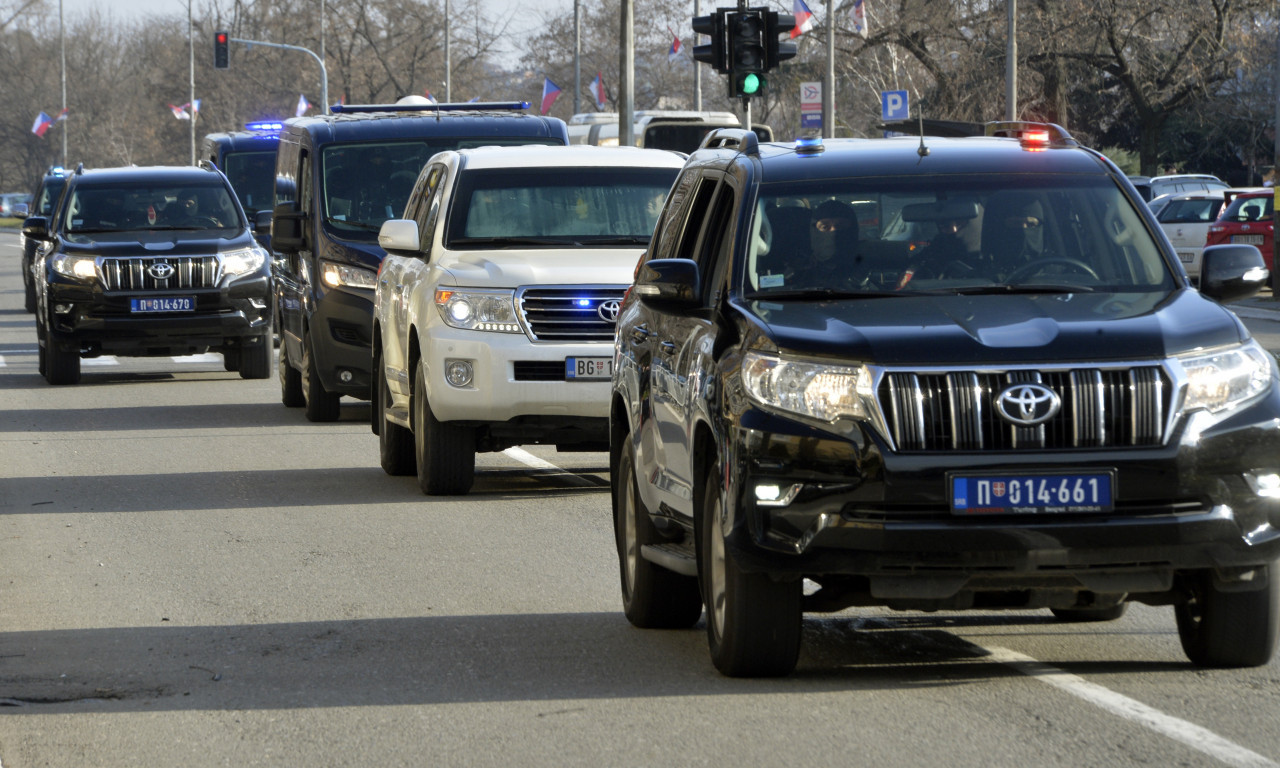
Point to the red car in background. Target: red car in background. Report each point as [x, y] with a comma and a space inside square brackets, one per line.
[1247, 217]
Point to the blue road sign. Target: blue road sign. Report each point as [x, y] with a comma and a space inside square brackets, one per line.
[810, 119]
[894, 106]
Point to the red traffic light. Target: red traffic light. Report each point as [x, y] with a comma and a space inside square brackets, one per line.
[221, 56]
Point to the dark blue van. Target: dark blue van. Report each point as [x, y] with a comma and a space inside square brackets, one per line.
[248, 159]
[338, 177]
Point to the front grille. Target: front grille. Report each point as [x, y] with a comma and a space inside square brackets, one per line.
[539, 370]
[132, 274]
[956, 410]
[569, 313]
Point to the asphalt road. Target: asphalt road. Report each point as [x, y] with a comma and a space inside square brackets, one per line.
[193, 575]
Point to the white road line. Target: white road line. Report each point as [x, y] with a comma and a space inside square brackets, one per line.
[100, 361]
[529, 460]
[1192, 735]
[207, 357]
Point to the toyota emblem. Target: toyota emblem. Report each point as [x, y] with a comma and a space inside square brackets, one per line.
[1027, 405]
[608, 310]
[161, 270]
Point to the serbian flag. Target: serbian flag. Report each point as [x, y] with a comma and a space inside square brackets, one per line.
[41, 125]
[61, 115]
[859, 17]
[180, 112]
[195, 107]
[804, 19]
[597, 90]
[430, 99]
[550, 91]
[673, 52]
[303, 106]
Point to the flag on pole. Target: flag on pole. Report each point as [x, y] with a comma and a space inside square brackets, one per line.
[430, 99]
[673, 52]
[859, 17]
[597, 91]
[804, 19]
[195, 107]
[180, 112]
[61, 115]
[41, 124]
[473, 99]
[549, 93]
[303, 106]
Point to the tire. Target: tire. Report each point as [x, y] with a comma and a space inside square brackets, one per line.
[320, 404]
[652, 596]
[445, 455]
[753, 622]
[396, 450]
[59, 367]
[1230, 629]
[231, 360]
[1085, 615]
[255, 362]
[30, 291]
[290, 381]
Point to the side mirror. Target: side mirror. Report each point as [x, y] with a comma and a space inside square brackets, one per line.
[671, 284]
[1232, 272]
[20, 210]
[36, 228]
[288, 227]
[399, 235]
[262, 222]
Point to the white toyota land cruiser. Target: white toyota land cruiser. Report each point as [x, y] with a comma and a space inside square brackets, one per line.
[495, 307]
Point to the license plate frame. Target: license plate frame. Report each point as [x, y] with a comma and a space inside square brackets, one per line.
[162, 304]
[1248, 239]
[1052, 493]
[588, 368]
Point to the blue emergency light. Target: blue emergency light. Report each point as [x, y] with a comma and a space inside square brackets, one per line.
[264, 125]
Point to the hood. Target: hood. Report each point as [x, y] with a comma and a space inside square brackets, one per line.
[542, 266]
[964, 330]
[156, 243]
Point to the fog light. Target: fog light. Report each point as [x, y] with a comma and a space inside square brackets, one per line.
[458, 373]
[345, 377]
[63, 309]
[1264, 482]
[776, 494]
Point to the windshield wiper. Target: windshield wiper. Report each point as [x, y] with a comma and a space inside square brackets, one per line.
[357, 224]
[619, 240]
[1024, 288]
[514, 241]
[818, 294]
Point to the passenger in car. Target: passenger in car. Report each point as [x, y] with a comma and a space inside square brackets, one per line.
[832, 232]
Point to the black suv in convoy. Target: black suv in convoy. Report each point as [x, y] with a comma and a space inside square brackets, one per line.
[1004, 394]
[338, 178]
[150, 262]
[42, 203]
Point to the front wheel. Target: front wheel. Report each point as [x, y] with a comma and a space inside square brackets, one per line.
[1230, 629]
[395, 443]
[60, 367]
[652, 596]
[753, 621]
[255, 362]
[321, 404]
[290, 381]
[445, 454]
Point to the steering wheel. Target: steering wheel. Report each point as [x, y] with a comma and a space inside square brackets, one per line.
[1036, 267]
[207, 221]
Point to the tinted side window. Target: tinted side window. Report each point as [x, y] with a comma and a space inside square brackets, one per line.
[427, 212]
[668, 229]
[694, 222]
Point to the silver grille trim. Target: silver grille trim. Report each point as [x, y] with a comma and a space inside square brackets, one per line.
[552, 313]
[131, 273]
[1105, 406]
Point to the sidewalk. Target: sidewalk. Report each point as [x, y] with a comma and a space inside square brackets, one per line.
[1260, 307]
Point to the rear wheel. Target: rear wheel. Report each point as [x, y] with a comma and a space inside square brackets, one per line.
[290, 381]
[1083, 615]
[255, 362]
[652, 596]
[321, 404]
[445, 454]
[395, 443]
[29, 286]
[1230, 629]
[231, 360]
[753, 622]
[60, 367]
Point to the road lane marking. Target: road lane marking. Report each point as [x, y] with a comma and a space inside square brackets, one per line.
[529, 460]
[1188, 733]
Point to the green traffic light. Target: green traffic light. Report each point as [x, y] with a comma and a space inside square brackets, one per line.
[750, 83]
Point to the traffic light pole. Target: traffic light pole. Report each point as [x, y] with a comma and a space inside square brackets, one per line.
[324, 73]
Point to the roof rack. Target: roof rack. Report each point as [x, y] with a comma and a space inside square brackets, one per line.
[740, 139]
[1054, 134]
[470, 106]
[206, 164]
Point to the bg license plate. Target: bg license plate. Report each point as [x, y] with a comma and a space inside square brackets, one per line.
[163, 304]
[1031, 494]
[588, 368]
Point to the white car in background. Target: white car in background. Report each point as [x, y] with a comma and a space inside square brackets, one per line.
[1185, 218]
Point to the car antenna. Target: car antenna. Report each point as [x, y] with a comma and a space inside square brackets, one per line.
[922, 151]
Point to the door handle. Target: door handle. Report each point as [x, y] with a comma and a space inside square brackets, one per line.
[668, 347]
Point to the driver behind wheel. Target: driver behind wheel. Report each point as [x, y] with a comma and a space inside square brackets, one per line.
[1012, 234]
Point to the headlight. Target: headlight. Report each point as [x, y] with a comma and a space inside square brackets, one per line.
[334, 274]
[243, 261]
[809, 388]
[1226, 378]
[76, 266]
[478, 310]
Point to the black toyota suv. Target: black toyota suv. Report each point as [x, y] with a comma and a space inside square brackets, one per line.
[338, 178]
[937, 374]
[149, 262]
[42, 203]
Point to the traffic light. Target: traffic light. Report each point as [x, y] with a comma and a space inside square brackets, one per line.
[746, 53]
[776, 50]
[712, 53]
[221, 57]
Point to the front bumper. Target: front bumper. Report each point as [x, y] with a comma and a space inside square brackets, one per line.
[341, 331]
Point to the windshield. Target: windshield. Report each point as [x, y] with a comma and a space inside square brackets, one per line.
[49, 195]
[364, 184]
[252, 176]
[147, 206]
[969, 234]
[552, 206]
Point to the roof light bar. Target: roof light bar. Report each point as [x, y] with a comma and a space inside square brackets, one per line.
[265, 125]
[473, 106]
[810, 145]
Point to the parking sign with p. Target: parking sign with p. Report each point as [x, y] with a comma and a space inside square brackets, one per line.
[894, 106]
